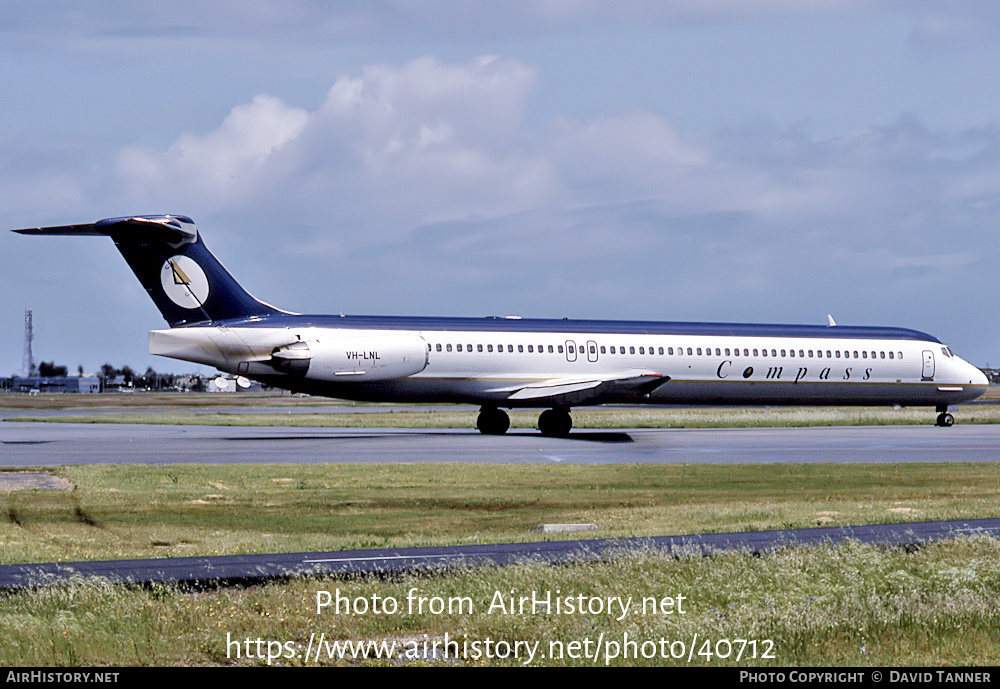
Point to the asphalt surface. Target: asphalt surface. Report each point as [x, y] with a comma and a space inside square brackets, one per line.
[51, 444]
[250, 569]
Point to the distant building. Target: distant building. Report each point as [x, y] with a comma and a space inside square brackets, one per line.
[28, 384]
[117, 383]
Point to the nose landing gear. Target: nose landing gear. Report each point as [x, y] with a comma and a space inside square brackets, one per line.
[944, 419]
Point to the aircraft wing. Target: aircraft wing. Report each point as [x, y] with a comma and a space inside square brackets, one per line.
[578, 390]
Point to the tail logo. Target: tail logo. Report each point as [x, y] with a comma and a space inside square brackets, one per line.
[184, 282]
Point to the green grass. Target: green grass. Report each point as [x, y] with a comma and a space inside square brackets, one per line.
[120, 511]
[276, 409]
[843, 605]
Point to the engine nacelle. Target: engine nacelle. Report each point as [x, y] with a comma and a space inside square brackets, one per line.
[359, 358]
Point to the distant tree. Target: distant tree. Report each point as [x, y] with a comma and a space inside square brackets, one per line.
[148, 380]
[79, 370]
[48, 369]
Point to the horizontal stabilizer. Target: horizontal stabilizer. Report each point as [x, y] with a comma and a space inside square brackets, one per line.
[175, 230]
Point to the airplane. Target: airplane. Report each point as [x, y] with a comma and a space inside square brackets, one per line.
[502, 363]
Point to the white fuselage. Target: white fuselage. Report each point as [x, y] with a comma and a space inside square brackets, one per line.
[517, 368]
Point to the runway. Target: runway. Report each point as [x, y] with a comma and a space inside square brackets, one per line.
[52, 444]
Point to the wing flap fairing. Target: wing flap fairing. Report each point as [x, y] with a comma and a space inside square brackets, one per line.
[577, 390]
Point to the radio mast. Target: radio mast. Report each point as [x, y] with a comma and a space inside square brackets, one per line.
[28, 363]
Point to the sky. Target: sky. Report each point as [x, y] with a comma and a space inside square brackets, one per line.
[773, 162]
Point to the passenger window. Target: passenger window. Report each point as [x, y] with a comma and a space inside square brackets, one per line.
[439, 346]
[631, 350]
[489, 348]
[560, 349]
[642, 350]
[520, 349]
[448, 347]
[510, 348]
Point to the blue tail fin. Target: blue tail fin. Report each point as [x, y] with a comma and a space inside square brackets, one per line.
[185, 281]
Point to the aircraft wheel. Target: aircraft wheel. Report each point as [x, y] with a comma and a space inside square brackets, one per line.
[493, 422]
[555, 422]
[945, 420]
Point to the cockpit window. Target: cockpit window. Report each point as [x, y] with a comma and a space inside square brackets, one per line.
[946, 352]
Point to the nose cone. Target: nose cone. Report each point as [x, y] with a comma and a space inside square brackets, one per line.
[971, 378]
[977, 377]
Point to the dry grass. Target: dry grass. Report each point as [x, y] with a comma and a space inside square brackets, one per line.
[849, 605]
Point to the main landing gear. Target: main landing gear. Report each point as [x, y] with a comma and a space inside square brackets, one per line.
[492, 421]
[552, 422]
[555, 423]
[944, 419]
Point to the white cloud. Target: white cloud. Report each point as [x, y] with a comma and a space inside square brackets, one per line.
[223, 164]
[389, 149]
[426, 188]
